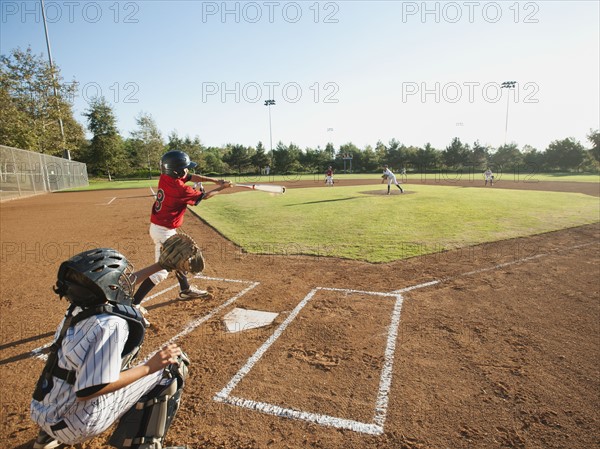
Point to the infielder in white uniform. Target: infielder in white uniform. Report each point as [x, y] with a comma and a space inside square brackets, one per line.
[391, 178]
[489, 176]
[87, 383]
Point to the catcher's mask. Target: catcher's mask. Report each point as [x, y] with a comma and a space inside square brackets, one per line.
[94, 277]
[174, 162]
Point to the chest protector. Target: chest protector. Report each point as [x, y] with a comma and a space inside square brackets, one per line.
[132, 346]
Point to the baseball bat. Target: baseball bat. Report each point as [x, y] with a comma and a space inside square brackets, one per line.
[263, 187]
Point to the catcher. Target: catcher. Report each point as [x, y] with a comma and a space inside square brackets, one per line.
[88, 382]
[172, 198]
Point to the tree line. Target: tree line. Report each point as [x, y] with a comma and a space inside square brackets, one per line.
[36, 103]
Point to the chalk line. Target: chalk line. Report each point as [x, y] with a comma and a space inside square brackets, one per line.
[381, 404]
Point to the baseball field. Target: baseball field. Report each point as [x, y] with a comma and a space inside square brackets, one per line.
[451, 316]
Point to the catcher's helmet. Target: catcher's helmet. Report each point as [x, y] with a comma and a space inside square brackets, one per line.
[173, 162]
[94, 277]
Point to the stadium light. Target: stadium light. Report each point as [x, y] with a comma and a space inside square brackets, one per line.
[507, 85]
[270, 103]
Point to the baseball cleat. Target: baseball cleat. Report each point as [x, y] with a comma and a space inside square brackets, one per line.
[45, 441]
[194, 293]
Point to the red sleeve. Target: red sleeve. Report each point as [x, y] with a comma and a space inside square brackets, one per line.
[189, 195]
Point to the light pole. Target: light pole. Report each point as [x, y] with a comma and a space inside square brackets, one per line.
[507, 85]
[270, 103]
[60, 121]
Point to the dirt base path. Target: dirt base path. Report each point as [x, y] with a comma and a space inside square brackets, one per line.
[493, 346]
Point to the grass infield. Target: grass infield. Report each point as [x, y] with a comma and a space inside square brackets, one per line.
[352, 222]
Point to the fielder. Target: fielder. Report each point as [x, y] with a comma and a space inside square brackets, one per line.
[391, 178]
[88, 382]
[172, 199]
[489, 176]
[329, 177]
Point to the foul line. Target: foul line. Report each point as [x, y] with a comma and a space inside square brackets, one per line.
[495, 267]
[385, 381]
[107, 204]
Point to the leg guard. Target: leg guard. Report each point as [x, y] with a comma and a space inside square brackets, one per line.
[145, 425]
[183, 281]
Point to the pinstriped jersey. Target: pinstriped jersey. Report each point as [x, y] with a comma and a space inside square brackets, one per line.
[172, 198]
[92, 348]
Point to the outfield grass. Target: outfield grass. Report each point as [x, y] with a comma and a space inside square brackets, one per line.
[512, 176]
[346, 222]
[454, 176]
[99, 184]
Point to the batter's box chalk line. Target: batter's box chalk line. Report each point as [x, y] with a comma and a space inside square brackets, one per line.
[380, 407]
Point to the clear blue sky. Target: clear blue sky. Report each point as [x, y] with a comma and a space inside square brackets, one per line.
[414, 71]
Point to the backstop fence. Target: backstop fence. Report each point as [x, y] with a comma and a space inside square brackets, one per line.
[25, 173]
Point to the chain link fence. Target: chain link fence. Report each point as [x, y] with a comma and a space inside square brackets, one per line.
[25, 173]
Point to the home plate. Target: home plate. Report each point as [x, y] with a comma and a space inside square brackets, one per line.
[243, 319]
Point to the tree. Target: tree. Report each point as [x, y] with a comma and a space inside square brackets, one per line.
[286, 158]
[14, 123]
[260, 159]
[148, 142]
[427, 158]
[507, 157]
[399, 155]
[456, 154]
[314, 160]
[381, 152]
[533, 160]
[594, 138]
[237, 156]
[29, 109]
[213, 159]
[481, 155]
[394, 152]
[330, 151]
[566, 154]
[370, 161]
[105, 150]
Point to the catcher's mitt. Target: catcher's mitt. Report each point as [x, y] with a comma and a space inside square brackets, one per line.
[180, 252]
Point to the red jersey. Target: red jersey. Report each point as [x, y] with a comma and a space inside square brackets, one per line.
[329, 172]
[172, 198]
